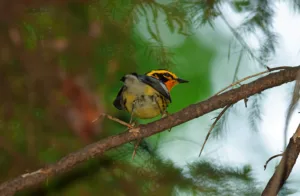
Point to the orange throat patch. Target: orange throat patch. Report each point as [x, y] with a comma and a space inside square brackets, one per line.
[170, 84]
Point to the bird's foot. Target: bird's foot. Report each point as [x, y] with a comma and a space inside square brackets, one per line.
[135, 130]
[132, 128]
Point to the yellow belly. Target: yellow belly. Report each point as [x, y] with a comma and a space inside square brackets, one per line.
[146, 112]
[145, 107]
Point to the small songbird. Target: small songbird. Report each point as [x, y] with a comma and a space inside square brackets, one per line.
[146, 96]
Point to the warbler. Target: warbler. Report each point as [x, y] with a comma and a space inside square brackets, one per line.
[147, 96]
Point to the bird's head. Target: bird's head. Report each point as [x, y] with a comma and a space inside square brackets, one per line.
[167, 77]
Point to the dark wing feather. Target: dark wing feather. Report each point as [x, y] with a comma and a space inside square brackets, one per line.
[156, 84]
[118, 102]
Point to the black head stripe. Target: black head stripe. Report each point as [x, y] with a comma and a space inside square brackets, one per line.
[162, 74]
[161, 77]
[167, 75]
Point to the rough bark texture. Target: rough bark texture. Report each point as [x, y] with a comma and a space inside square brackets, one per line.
[191, 112]
[285, 166]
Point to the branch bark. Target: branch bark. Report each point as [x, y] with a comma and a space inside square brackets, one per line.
[285, 166]
[191, 112]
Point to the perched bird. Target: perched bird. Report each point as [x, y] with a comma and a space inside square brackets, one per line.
[146, 96]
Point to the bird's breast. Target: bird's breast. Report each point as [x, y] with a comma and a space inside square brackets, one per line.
[145, 106]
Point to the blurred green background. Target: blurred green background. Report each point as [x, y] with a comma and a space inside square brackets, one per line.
[65, 68]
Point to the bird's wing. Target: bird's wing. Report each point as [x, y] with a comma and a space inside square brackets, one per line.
[118, 102]
[156, 84]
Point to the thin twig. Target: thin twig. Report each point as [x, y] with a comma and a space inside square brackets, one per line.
[272, 157]
[135, 148]
[212, 126]
[40, 171]
[238, 65]
[114, 119]
[252, 76]
[246, 101]
[239, 38]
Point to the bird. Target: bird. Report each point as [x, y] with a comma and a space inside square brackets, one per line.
[146, 96]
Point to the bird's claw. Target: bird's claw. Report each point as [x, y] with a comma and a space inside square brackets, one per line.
[135, 131]
[133, 128]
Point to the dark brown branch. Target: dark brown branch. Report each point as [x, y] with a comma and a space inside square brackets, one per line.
[285, 166]
[191, 112]
[291, 108]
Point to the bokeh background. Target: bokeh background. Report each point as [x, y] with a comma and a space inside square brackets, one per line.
[61, 64]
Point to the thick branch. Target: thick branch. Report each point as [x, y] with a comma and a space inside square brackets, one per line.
[285, 166]
[191, 112]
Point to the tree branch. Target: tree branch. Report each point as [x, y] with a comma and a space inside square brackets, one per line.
[191, 112]
[285, 166]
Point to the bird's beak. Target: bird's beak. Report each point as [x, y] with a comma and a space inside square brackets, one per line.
[179, 80]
